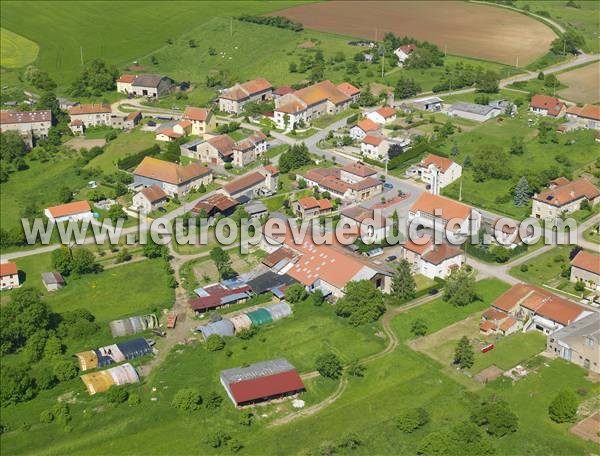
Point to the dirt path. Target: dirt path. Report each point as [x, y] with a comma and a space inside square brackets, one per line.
[390, 347]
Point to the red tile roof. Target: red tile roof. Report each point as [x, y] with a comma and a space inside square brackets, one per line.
[419, 248]
[283, 90]
[587, 111]
[568, 192]
[386, 112]
[428, 203]
[271, 169]
[372, 140]
[408, 48]
[442, 163]
[7, 269]
[507, 324]
[89, 109]
[348, 89]
[168, 172]
[588, 261]
[440, 253]
[126, 78]
[65, 210]
[169, 133]
[247, 89]
[10, 117]
[487, 325]
[134, 115]
[154, 193]
[267, 386]
[551, 104]
[367, 125]
[494, 314]
[244, 182]
[219, 201]
[196, 114]
[215, 293]
[310, 202]
[359, 169]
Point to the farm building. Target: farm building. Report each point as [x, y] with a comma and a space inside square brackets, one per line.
[546, 105]
[32, 123]
[241, 322]
[173, 178]
[223, 328]
[472, 111]
[250, 185]
[98, 382]
[279, 310]
[111, 354]
[52, 280]
[579, 342]
[260, 316]
[77, 210]
[585, 267]
[270, 280]
[261, 382]
[132, 325]
[235, 98]
[216, 204]
[9, 276]
[431, 104]
[91, 115]
[219, 294]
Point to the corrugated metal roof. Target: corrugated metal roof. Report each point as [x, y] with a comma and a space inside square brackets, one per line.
[223, 328]
[260, 317]
[256, 370]
[263, 388]
[279, 310]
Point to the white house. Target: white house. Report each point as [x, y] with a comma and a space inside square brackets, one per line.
[377, 147]
[587, 116]
[546, 105]
[74, 211]
[585, 267]
[91, 115]
[430, 259]
[234, 99]
[9, 276]
[564, 197]
[304, 105]
[437, 211]
[403, 52]
[149, 199]
[437, 172]
[372, 228]
[383, 115]
[353, 182]
[363, 128]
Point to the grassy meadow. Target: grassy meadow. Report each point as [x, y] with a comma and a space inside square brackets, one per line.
[580, 151]
[389, 385]
[16, 51]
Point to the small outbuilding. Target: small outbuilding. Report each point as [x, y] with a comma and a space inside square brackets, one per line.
[279, 310]
[52, 280]
[132, 325]
[241, 322]
[223, 328]
[260, 316]
[98, 382]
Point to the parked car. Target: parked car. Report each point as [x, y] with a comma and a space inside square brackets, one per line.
[388, 185]
[433, 291]
[162, 209]
[391, 258]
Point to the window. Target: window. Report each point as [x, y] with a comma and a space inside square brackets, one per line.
[589, 341]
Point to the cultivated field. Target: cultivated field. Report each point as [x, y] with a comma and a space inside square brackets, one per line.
[15, 50]
[477, 31]
[583, 84]
[119, 33]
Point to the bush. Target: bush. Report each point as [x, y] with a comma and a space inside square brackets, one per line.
[65, 370]
[215, 343]
[117, 395]
[134, 399]
[329, 366]
[412, 419]
[563, 408]
[45, 379]
[62, 413]
[418, 327]
[187, 399]
[213, 400]
[217, 439]
[295, 293]
[524, 268]
[46, 416]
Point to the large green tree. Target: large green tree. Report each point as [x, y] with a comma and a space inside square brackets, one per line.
[563, 408]
[362, 303]
[460, 288]
[463, 353]
[403, 282]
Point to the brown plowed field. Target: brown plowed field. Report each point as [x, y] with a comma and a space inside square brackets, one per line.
[584, 84]
[468, 29]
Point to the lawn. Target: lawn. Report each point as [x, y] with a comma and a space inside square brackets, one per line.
[127, 143]
[16, 51]
[510, 351]
[39, 185]
[367, 407]
[592, 234]
[496, 194]
[545, 269]
[120, 33]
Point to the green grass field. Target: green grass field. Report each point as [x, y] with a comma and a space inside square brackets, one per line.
[39, 185]
[585, 19]
[127, 143]
[537, 157]
[16, 51]
[367, 407]
[120, 33]
[510, 351]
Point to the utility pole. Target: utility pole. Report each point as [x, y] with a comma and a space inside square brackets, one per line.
[81, 54]
[517, 65]
[445, 50]
[460, 190]
[382, 62]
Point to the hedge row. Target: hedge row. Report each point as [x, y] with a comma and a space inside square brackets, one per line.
[130, 161]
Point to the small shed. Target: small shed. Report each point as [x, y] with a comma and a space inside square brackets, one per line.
[260, 317]
[132, 325]
[241, 322]
[52, 280]
[135, 348]
[279, 310]
[223, 328]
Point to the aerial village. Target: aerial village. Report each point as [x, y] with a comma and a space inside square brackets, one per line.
[289, 328]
